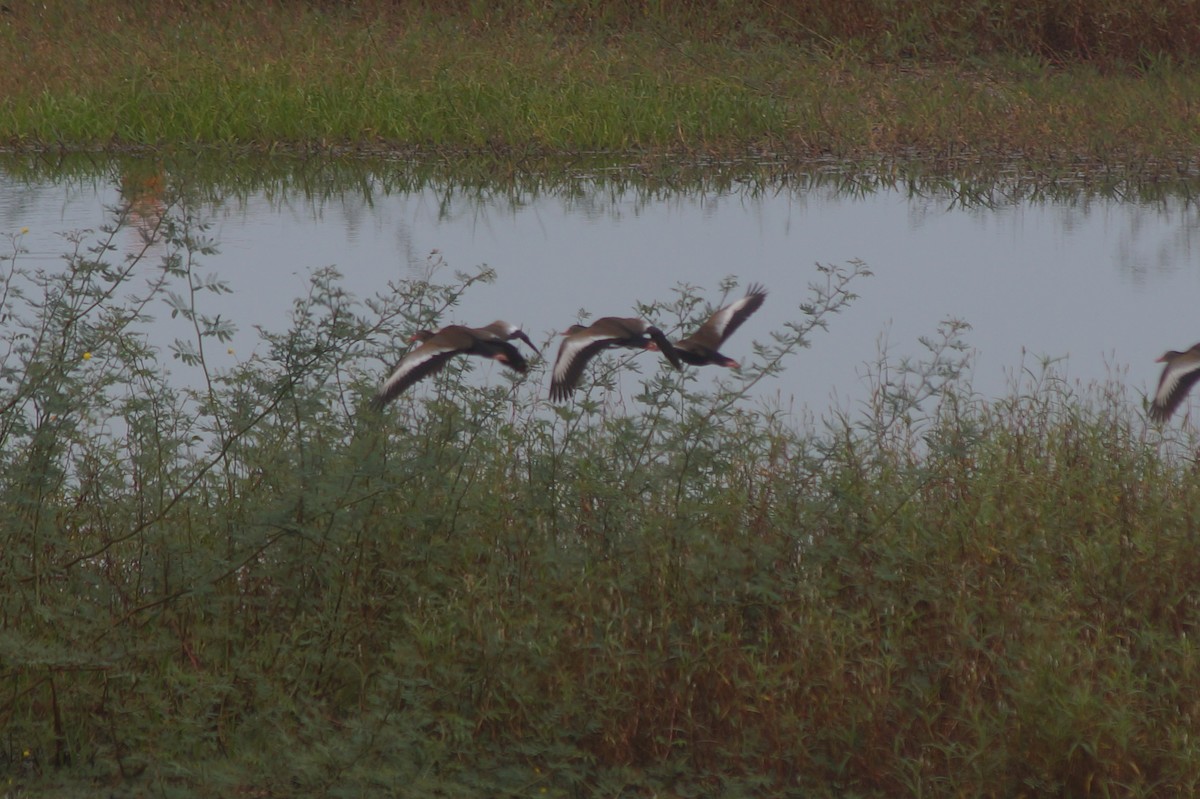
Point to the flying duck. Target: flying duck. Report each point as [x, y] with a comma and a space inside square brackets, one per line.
[1181, 372]
[436, 349]
[508, 332]
[700, 348]
[582, 343]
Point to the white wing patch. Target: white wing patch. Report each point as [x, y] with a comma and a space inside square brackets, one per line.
[1168, 383]
[1177, 377]
[721, 319]
[1171, 379]
[572, 347]
[412, 361]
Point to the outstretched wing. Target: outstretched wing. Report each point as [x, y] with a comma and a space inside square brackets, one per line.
[1177, 379]
[573, 355]
[417, 365]
[725, 321]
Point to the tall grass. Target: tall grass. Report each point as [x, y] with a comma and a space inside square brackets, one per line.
[1103, 78]
[247, 584]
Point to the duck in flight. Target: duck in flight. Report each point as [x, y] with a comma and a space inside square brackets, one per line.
[1181, 372]
[701, 348]
[582, 343]
[437, 348]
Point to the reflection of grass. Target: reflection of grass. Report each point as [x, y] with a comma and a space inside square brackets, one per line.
[603, 182]
[802, 78]
[247, 586]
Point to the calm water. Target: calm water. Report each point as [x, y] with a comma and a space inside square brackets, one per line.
[1106, 285]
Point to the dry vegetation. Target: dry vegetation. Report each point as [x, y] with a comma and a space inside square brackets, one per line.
[246, 587]
[250, 587]
[1103, 79]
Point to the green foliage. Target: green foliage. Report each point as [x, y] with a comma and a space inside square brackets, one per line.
[247, 583]
[1104, 79]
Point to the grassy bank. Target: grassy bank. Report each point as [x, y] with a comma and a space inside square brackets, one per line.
[245, 586]
[1100, 79]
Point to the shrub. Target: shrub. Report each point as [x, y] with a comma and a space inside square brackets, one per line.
[250, 583]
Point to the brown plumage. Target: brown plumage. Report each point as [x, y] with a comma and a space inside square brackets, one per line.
[508, 332]
[583, 343]
[436, 349]
[1181, 372]
[700, 348]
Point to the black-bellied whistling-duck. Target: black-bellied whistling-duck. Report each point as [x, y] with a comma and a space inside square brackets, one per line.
[700, 348]
[509, 331]
[582, 343]
[436, 349]
[1181, 372]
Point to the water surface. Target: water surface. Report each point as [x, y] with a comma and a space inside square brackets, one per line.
[1102, 283]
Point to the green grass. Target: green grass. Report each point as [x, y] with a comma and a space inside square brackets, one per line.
[1101, 79]
[247, 586]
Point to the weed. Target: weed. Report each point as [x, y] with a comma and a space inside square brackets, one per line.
[252, 583]
[1102, 79]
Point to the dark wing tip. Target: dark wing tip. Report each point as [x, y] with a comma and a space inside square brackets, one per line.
[561, 390]
[568, 368]
[1161, 409]
[381, 399]
[754, 301]
[1165, 402]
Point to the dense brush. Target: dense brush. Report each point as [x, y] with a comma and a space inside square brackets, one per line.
[241, 586]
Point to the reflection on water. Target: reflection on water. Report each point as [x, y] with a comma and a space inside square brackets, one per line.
[1100, 274]
[143, 187]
